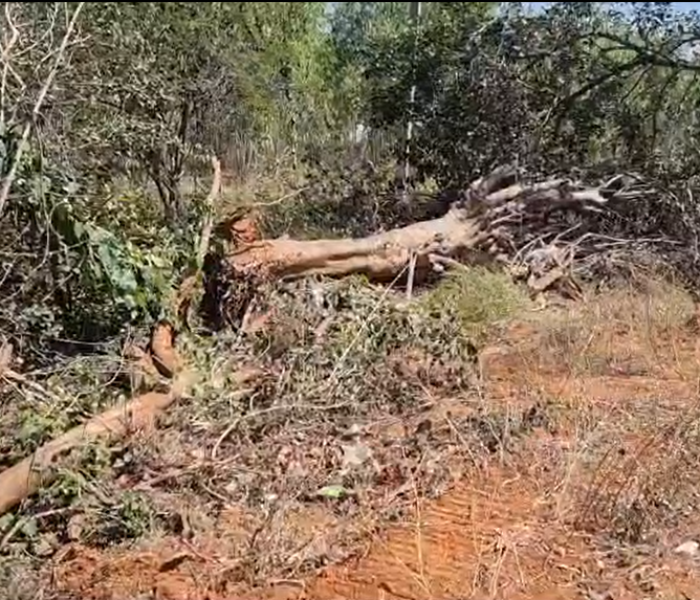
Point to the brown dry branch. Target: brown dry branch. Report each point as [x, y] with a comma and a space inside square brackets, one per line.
[498, 219]
[208, 223]
[165, 357]
[140, 367]
[29, 475]
[5, 357]
[189, 285]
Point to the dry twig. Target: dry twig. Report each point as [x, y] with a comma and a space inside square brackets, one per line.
[22, 146]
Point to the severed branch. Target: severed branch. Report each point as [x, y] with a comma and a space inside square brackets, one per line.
[210, 203]
[29, 475]
[538, 231]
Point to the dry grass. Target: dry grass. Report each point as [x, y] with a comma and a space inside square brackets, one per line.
[594, 504]
[623, 369]
[567, 450]
[347, 425]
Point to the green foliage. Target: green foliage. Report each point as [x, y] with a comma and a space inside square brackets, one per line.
[130, 517]
[76, 390]
[161, 85]
[96, 278]
[476, 298]
[359, 361]
[146, 94]
[99, 225]
[356, 29]
[340, 196]
[34, 430]
[138, 281]
[575, 85]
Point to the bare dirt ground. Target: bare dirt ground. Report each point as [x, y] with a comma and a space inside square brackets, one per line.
[567, 468]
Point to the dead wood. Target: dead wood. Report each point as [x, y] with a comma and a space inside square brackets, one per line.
[380, 256]
[497, 218]
[140, 368]
[29, 475]
[208, 223]
[165, 357]
[190, 283]
[5, 357]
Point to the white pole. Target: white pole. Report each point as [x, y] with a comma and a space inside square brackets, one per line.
[415, 10]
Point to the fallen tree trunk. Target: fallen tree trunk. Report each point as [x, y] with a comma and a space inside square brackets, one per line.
[497, 217]
[379, 257]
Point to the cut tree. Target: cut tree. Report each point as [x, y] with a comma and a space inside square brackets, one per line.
[497, 218]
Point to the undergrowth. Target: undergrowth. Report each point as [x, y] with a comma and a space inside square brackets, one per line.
[365, 402]
[476, 298]
[341, 421]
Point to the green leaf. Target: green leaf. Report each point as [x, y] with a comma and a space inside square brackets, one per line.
[332, 491]
[30, 528]
[105, 255]
[125, 279]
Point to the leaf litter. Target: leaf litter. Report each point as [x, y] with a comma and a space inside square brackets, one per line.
[363, 403]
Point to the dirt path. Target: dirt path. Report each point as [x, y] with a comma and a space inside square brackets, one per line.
[550, 519]
[487, 538]
[508, 532]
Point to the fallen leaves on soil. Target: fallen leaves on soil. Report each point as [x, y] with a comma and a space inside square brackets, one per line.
[554, 466]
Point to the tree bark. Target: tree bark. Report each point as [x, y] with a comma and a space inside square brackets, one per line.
[380, 257]
[494, 217]
[29, 475]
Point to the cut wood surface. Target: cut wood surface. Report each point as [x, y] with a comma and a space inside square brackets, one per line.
[497, 217]
[165, 357]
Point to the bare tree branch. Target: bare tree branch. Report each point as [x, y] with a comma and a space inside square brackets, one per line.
[9, 179]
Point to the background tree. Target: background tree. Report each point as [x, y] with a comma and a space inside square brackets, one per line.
[109, 190]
